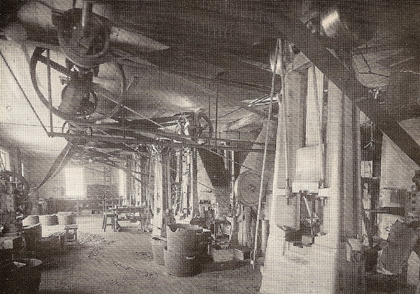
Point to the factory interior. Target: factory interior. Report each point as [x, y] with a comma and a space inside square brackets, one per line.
[194, 146]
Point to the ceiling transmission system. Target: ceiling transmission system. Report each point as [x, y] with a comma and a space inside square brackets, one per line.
[83, 83]
[91, 85]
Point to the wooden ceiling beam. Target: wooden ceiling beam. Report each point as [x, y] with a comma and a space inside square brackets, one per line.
[272, 21]
[295, 31]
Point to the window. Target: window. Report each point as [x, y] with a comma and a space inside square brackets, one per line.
[5, 160]
[75, 184]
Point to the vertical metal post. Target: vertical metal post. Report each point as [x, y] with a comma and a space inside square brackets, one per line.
[233, 236]
[49, 89]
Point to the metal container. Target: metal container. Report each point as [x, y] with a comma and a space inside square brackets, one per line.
[184, 238]
[182, 265]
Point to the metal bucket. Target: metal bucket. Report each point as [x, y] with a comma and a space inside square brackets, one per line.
[158, 246]
[181, 265]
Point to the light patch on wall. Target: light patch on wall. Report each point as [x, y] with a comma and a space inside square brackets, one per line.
[122, 182]
[5, 160]
[75, 184]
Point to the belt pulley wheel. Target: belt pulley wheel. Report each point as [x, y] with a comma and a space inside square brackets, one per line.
[85, 47]
[247, 188]
[198, 128]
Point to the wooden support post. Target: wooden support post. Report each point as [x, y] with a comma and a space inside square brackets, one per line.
[158, 214]
[185, 184]
[143, 168]
[165, 181]
[178, 199]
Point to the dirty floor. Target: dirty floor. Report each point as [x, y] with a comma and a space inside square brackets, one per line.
[122, 262]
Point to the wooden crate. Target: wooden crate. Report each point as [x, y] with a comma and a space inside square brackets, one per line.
[221, 255]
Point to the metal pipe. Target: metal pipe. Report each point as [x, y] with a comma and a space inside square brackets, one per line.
[86, 14]
[49, 88]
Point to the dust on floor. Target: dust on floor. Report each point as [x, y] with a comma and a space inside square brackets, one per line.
[122, 262]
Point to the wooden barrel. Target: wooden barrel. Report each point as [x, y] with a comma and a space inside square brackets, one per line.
[63, 219]
[73, 219]
[48, 220]
[182, 265]
[66, 218]
[183, 238]
[30, 220]
[32, 234]
[203, 241]
[158, 246]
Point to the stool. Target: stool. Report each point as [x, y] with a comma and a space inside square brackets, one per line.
[70, 235]
[113, 224]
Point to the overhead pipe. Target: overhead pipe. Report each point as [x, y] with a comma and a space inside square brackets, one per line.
[86, 15]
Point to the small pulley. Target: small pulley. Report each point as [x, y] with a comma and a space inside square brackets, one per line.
[74, 93]
[195, 125]
[77, 96]
[78, 135]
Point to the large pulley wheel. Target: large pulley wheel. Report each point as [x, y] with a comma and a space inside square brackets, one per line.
[247, 188]
[84, 46]
[199, 127]
[203, 126]
[62, 87]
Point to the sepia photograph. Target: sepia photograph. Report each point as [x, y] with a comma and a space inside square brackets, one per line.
[209, 146]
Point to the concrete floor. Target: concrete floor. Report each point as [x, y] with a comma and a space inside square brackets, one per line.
[122, 262]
